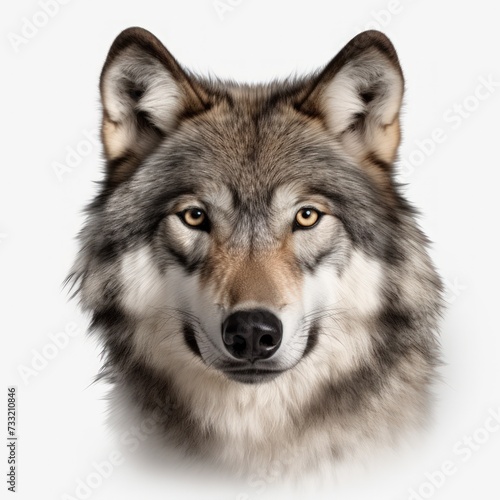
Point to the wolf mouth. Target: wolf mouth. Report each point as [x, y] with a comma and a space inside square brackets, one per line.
[253, 375]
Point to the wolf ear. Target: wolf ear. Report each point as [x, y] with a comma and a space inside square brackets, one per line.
[359, 95]
[144, 92]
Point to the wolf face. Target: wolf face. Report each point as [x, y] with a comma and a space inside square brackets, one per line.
[250, 257]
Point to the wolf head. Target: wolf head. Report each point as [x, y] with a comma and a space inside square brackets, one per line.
[250, 240]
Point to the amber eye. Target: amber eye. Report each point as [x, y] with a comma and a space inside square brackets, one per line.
[306, 217]
[194, 217]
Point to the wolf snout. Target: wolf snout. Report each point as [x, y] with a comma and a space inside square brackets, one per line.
[252, 335]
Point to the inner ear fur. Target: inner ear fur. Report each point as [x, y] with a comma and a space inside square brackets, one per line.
[144, 93]
[359, 96]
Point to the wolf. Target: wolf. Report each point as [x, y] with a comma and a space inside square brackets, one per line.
[250, 263]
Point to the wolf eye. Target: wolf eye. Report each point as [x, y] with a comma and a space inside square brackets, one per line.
[195, 218]
[306, 218]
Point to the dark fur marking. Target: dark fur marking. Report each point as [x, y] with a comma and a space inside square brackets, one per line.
[190, 339]
[367, 96]
[381, 164]
[319, 259]
[108, 251]
[312, 339]
[121, 169]
[134, 91]
[353, 393]
[144, 121]
[153, 392]
[108, 318]
[357, 125]
[183, 260]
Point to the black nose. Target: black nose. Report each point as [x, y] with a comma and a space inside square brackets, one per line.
[252, 335]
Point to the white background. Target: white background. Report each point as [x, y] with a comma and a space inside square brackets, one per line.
[50, 100]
